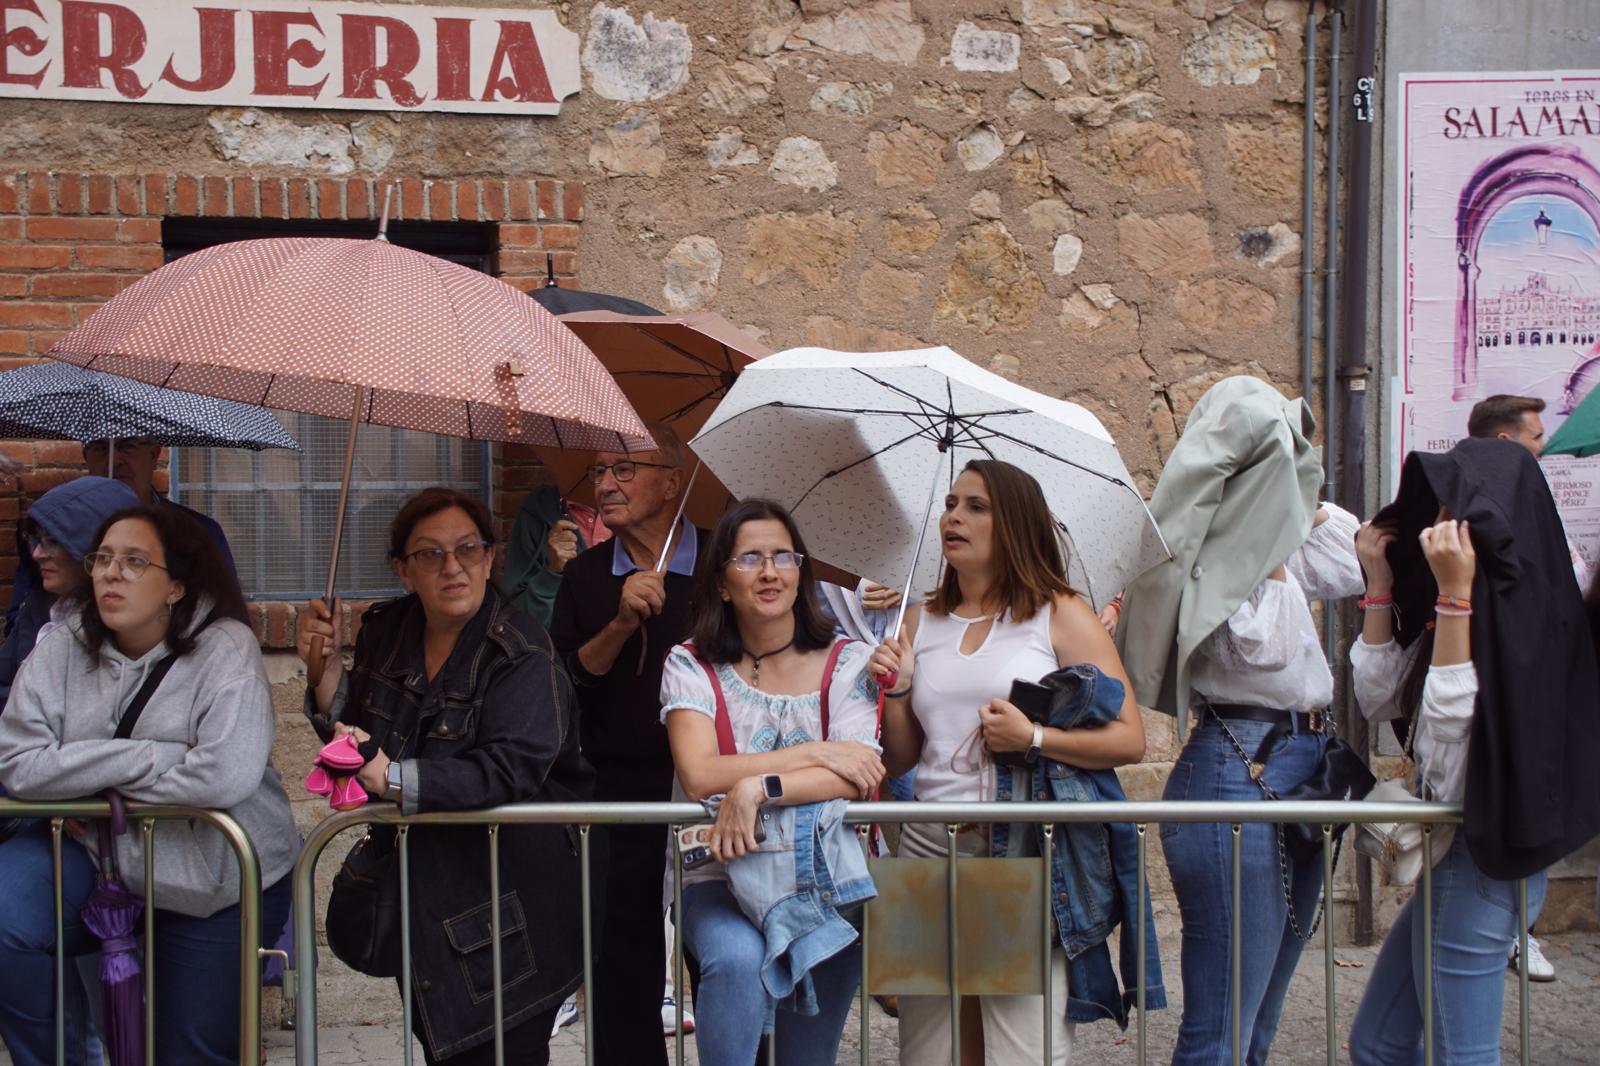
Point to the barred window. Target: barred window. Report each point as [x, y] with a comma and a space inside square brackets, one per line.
[278, 507]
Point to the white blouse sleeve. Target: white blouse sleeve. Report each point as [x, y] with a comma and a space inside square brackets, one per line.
[685, 686]
[1260, 635]
[853, 698]
[1376, 673]
[1448, 698]
[1326, 565]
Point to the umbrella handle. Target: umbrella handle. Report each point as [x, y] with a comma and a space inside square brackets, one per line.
[119, 812]
[315, 666]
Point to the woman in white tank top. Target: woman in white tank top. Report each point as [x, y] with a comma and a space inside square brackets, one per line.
[1003, 611]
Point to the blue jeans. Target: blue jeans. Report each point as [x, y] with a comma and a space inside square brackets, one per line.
[1474, 926]
[731, 1005]
[1200, 858]
[196, 972]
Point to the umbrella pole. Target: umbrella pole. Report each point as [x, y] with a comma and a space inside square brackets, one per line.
[111, 458]
[666, 549]
[314, 667]
[916, 553]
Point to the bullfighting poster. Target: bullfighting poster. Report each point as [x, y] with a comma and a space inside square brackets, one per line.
[1499, 261]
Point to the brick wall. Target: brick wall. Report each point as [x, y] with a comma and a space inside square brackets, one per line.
[69, 241]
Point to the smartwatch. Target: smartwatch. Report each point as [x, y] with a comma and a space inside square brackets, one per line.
[772, 787]
[1032, 754]
[392, 782]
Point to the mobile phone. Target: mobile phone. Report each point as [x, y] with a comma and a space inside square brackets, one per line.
[694, 843]
[1031, 699]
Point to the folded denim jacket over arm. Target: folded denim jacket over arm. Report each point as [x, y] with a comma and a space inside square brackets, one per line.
[808, 870]
[1094, 866]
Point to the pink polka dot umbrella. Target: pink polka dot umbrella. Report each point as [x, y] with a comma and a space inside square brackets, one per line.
[363, 330]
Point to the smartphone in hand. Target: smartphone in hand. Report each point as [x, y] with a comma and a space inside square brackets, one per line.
[694, 843]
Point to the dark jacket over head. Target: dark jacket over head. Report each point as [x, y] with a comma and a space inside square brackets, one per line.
[1532, 790]
[70, 513]
[496, 725]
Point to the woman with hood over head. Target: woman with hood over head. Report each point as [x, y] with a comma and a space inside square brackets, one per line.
[1221, 636]
[1475, 637]
[150, 688]
[55, 535]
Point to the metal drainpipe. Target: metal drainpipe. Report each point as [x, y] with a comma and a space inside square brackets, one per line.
[1308, 190]
[1355, 371]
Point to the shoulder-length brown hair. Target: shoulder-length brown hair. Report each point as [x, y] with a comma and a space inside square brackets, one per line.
[712, 627]
[1030, 559]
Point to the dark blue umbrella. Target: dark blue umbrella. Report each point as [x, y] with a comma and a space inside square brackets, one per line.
[559, 301]
[64, 402]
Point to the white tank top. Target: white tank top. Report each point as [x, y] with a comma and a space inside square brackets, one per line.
[949, 687]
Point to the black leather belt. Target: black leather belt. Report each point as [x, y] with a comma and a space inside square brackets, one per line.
[1246, 712]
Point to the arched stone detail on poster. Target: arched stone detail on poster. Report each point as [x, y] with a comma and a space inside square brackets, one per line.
[1539, 170]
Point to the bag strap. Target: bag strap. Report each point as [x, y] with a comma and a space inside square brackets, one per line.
[827, 679]
[130, 717]
[725, 742]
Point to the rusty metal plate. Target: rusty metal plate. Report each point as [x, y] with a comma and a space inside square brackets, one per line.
[1001, 934]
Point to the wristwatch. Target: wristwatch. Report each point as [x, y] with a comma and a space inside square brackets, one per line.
[1031, 756]
[392, 782]
[772, 787]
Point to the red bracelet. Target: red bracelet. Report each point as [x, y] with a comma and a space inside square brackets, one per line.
[1368, 602]
[1459, 602]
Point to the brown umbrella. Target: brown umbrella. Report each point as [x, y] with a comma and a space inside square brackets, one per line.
[364, 330]
[673, 369]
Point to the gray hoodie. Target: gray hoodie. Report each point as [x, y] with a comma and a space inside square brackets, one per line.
[203, 741]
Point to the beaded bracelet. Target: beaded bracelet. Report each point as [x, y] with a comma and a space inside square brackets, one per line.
[1369, 602]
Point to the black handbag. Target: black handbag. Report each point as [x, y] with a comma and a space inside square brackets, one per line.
[363, 921]
[1340, 775]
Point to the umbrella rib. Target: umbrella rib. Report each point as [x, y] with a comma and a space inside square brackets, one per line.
[677, 348]
[851, 466]
[686, 408]
[927, 408]
[688, 375]
[1063, 459]
[931, 429]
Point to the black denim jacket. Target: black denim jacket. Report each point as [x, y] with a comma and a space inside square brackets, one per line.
[496, 725]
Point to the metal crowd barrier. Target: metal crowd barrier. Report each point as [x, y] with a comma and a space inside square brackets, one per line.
[144, 816]
[676, 815]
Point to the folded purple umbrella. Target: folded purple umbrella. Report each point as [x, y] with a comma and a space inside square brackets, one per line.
[112, 913]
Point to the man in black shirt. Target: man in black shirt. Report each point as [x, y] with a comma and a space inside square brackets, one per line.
[614, 620]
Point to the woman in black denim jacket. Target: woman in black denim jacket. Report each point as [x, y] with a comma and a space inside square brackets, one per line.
[470, 708]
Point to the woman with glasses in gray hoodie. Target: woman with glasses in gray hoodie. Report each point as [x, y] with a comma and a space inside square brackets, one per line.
[159, 592]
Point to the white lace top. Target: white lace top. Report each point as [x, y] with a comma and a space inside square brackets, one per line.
[762, 721]
[1268, 653]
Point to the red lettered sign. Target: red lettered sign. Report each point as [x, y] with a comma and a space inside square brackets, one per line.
[268, 53]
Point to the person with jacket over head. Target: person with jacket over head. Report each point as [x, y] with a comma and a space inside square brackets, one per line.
[1003, 612]
[155, 626]
[55, 535]
[1221, 636]
[619, 608]
[467, 706]
[1475, 636]
[767, 712]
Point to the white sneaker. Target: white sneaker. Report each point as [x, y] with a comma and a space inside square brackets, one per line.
[669, 1017]
[1539, 968]
[566, 1014]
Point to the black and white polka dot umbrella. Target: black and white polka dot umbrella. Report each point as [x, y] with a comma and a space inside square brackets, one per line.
[64, 402]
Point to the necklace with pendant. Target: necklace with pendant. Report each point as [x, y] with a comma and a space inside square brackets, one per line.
[755, 671]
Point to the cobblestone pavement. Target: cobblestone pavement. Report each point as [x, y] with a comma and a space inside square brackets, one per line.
[1565, 1021]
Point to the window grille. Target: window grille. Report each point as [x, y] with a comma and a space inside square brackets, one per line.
[278, 507]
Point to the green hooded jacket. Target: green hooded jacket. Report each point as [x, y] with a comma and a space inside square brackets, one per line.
[1236, 498]
[529, 583]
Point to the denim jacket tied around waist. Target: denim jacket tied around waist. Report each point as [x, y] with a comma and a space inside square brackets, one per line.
[1094, 866]
[807, 872]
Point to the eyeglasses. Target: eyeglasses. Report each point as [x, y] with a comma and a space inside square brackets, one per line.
[133, 567]
[38, 540]
[468, 554]
[623, 470]
[749, 561]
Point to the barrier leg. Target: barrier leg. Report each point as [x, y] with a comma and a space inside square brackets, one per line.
[494, 947]
[952, 967]
[1427, 939]
[1139, 969]
[405, 939]
[1235, 948]
[61, 946]
[584, 883]
[1329, 1008]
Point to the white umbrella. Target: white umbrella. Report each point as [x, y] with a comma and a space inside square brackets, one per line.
[860, 448]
